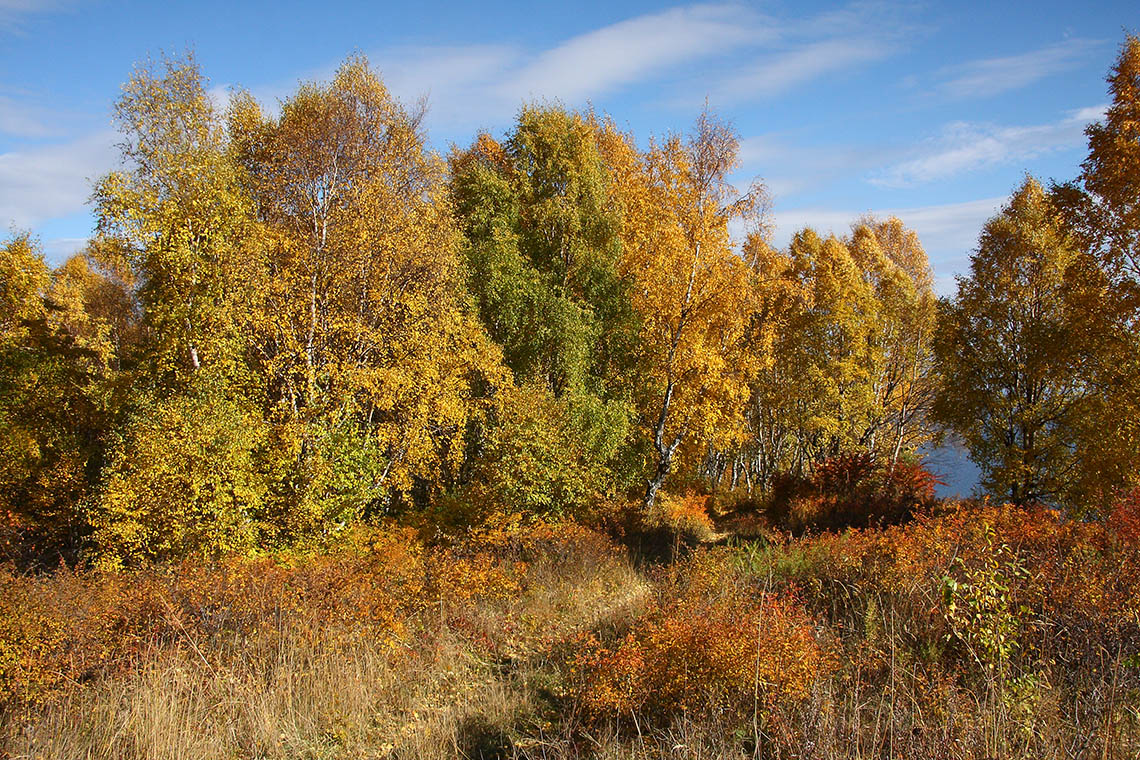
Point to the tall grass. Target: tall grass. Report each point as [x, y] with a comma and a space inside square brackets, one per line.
[975, 634]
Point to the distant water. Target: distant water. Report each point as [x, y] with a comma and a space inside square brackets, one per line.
[951, 463]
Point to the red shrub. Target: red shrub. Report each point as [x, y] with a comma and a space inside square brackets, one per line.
[852, 490]
[1124, 519]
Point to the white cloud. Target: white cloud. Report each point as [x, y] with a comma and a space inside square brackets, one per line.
[775, 75]
[475, 84]
[1089, 114]
[788, 167]
[964, 147]
[459, 81]
[630, 51]
[483, 85]
[12, 12]
[22, 120]
[53, 181]
[828, 43]
[993, 76]
[59, 250]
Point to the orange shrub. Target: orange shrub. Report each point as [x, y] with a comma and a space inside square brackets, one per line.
[709, 644]
[61, 630]
[686, 514]
[1073, 586]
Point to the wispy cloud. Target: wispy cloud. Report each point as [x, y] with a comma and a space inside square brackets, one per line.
[633, 50]
[482, 85]
[52, 181]
[476, 84]
[964, 147]
[59, 250]
[459, 81]
[13, 12]
[773, 75]
[993, 76]
[20, 119]
[829, 43]
[789, 167]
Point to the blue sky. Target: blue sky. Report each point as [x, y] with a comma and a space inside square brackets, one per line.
[933, 112]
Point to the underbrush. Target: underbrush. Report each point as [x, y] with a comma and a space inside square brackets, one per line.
[851, 491]
[978, 632]
[981, 632]
[384, 646]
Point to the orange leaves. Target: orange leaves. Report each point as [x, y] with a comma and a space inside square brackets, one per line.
[382, 584]
[1079, 591]
[704, 646]
[1124, 519]
[687, 514]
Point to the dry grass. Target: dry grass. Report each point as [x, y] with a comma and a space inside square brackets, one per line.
[468, 669]
[488, 663]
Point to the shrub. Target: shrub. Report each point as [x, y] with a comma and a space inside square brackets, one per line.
[182, 483]
[709, 645]
[684, 515]
[1124, 518]
[852, 490]
[380, 583]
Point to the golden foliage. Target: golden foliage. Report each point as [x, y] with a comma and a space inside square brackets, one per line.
[690, 291]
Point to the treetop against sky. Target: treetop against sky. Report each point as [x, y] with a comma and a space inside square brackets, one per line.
[933, 112]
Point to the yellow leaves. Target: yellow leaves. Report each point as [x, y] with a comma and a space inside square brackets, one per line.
[848, 362]
[691, 292]
[24, 278]
[182, 483]
[363, 323]
[178, 221]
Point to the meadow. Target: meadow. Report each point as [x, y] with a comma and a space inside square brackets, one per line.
[974, 631]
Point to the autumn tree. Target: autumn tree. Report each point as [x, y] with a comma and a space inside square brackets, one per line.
[1102, 209]
[814, 396]
[1005, 354]
[1103, 205]
[177, 227]
[542, 250]
[183, 480]
[60, 334]
[178, 221]
[690, 289]
[901, 336]
[365, 345]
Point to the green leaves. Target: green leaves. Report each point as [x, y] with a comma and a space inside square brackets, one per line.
[542, 259]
